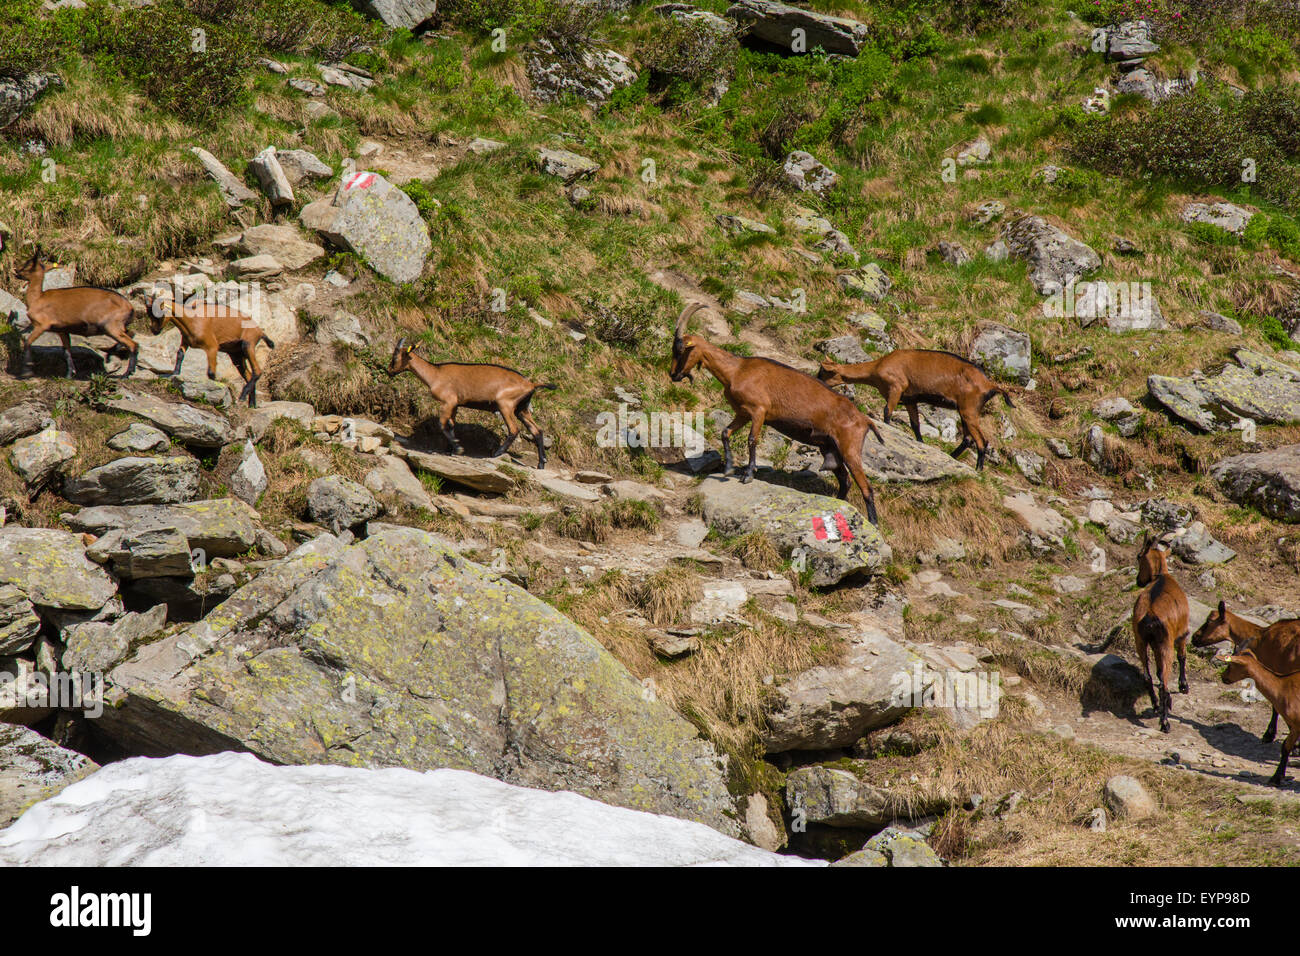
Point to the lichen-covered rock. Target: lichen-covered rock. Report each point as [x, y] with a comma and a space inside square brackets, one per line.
[903, 848]
[1268, 480]
[1222, 215]
[869, 282]
[220, 527]
[19, 623]
[139, 438]
[372, 218]
[1003, 352]
[593, 74]
[38, 457]
[1056, 259]
[17, 93]
[903, 458]
[185, 423]
[397, 652]
[807, 174]
[402, 14]
[148, 553]
[23, 419]
[51, 568]
[96, 647]
[837, 798]
[798, 30]
[136, 481]
[829, 535]
[34, 768]
[339, 504]
[740, 225]
[1256, 387]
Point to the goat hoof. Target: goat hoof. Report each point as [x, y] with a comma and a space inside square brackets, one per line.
[1183, 688]
[1267, 739]
[746, 478]
[1276, 782]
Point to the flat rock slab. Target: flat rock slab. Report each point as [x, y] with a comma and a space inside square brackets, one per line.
[1256, 387]
[903, 458]
[1267, 480]
[136, 481]
[473, 473]
[221, 527]
[557, 484]
[828, 535]
[398, 652]
[776, 23]
[51, 568]
[185, 423]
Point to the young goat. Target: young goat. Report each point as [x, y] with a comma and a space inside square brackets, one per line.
[82, 310]
[915, 376]
[1283, 692]
[1277, 646]
[764, 392]
[1160, 623]
[213, 328]
[488, 388]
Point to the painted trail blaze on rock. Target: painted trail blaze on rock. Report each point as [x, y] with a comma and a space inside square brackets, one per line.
[825, 536]
[372, 218]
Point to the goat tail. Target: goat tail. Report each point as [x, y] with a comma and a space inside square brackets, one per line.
[544, 385]
[995, 391]
[270, 343]
[871, 424]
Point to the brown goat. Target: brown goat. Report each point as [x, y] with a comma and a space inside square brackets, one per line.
[1160, 616]
[922, 376]
[487, 388]
[764, 392]
[213, 328]
[82, 310]
[1282, 691]
[1277, 646]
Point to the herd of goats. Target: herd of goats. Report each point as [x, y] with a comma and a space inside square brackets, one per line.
[761, 392]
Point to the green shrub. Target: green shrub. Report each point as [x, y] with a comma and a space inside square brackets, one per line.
[691, 50]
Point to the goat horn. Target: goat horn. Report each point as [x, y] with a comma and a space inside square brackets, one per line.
[401, 343]
[685, 317]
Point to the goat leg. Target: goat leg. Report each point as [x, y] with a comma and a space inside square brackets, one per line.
[1182, 671]
[249, 391]
[1270, 735]
[540, 441]
[1279, 777]
[131, 363]
[505, 444]
[180, 359]
[67, 357]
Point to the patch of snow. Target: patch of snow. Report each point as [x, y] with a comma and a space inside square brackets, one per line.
[234, 810]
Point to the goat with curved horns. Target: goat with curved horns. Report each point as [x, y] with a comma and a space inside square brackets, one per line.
[213, 328]
[1160, 624]
[1277, 646]
[81, 310]
[941, 379]
[487, 388]
[763, 392]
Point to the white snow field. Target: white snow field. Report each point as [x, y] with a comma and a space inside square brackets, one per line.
[234, 810]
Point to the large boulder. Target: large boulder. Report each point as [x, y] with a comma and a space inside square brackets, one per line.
[1222, 215]
[396, 652]
[402, 14]
[375, 220]
[151, 553]
[96, 647]
[38, 457]
[828, 535]
[1003, 352]
[17, 93]
[19, 623]
[23, 419]
[903, 458]
[1268, 480]
[34, 768]
[798, 30]
[1056, 259]
[136, 481]
[823, 708]
[50, 567]
[837, 798]
[592, 74]
[476, 473]
[1256, 387]
[339, 504]
[220, 527]
[185, 423]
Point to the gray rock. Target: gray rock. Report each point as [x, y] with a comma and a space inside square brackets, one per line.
[392, 476]
[402, 14]
[986, 212]
[829, 240]
[903, 458]
[274, 183]
[1223, 215]
[776, 23]
[1126, 798]
[233, 191]
[1056, 259]
[1196, 546]
[1112, 408]
[1030, 464]
[837, 798]
[1219, 322]
[1003, 352]
[346, 76]
[788, 518]
[1058, 448]
[976, 152]
[1256, 386]
[740, 225]
[339, 504]
[220, 527]
[832, 706]
[23, 419]
[843, 348]
[139, 438]
[869, 282]
[342, 328]
[185, 423]
[19, 623]
[863, 858]
[903, 848]
[284, 244]
[34, 768]
[805, 173]
[1268, 480]
[50, 567]
[565, 165]
[474, 473]
[39, 457]
[1124, 307]
[18, 93]
[301, 166]
[96, 647]
[874, 328]
[954, 253]
[591, 73]
[136, 481]
[1129, 40]
[375, 220]
[398, 652]
[248, 480]
[151, 553]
